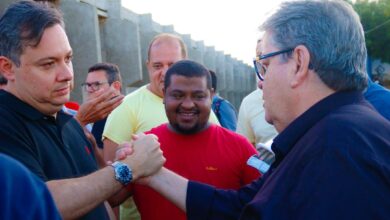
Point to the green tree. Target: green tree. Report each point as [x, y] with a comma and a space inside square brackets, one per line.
[375, 18]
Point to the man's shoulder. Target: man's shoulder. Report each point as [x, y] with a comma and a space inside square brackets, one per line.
[225, 104]
[141, 96]
[379, 97]
[351, 123]
[135, 95]
[357, 114]
[227, 134]
[255, 95]
[253, 101]
[217, 99]
[158, 130]
[10, 118]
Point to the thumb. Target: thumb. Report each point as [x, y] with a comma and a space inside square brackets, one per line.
[137, 136]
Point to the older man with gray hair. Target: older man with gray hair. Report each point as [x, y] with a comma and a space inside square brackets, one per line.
[333, 148]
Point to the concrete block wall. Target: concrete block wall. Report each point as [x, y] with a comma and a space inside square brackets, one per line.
[104, 31]
[84, 38]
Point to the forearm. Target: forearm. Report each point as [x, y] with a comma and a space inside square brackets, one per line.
[109, 149]
[119, 197]
[76, 197]
[170, 185]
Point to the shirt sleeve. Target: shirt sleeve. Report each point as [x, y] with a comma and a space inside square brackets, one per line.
[206, 202]
[121, 124]
[18, 184]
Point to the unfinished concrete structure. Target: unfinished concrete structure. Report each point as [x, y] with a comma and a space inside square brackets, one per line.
[105, 31]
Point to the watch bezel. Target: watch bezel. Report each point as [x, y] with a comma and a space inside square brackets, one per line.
[123, 173]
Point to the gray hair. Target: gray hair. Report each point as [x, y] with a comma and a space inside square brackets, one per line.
[332, 32]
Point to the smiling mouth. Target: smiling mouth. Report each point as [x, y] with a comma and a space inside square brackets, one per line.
[187, 115]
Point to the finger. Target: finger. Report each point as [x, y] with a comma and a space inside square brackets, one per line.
[128, 151]
[107, 107]
[134, 137]
[153, 136]
[120, 155]
[126, 145]
[141, 135]
[104, 95]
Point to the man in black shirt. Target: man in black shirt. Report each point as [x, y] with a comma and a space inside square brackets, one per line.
[36, 59]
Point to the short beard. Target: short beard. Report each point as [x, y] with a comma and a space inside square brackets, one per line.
[188, 131]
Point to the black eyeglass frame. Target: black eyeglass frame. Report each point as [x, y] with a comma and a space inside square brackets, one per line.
[94, 85]
[256, 61]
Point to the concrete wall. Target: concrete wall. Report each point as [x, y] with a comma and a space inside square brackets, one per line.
[104, 31]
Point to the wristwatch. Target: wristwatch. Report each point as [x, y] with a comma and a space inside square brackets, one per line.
[123, 173]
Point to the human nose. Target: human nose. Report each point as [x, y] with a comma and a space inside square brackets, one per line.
[65, 72]
[164, 71]
[187, 103]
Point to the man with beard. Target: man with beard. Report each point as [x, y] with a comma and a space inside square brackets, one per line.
[143, 109]
[193, 147]
[332, 150]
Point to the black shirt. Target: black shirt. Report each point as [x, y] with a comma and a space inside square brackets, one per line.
[52, 148]
[97, 131]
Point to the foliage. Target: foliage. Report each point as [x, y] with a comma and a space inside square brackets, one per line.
[375, 17]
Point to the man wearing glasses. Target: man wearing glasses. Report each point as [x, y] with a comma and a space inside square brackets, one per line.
[333, 148]
[102, 77]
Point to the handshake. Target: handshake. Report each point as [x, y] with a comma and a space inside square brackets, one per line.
[143, 155]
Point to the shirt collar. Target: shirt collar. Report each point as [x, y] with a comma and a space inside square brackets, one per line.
[284, 142]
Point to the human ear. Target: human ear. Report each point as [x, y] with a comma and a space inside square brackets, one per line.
[212, 93]
[6, 68]
[117, 85]
[301, 58]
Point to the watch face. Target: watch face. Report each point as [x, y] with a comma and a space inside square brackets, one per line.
[122, 173]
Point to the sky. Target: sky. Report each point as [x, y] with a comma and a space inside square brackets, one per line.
[230, 26]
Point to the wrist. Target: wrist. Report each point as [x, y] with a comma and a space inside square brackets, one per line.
[123, 172]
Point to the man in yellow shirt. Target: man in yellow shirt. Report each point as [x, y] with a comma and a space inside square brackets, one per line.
[143, 109]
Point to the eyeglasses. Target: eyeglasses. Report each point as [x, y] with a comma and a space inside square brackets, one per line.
[94, 86]
[260, 68]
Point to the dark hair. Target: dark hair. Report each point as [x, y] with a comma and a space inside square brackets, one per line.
[187, 68]
[213, 80]
[23, 24]
[3, 80]
[112, 71]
